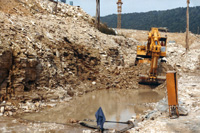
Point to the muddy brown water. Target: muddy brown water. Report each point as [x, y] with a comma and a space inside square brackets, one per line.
[117, 105]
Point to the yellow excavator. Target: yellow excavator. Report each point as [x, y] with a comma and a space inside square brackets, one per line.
[150, 53]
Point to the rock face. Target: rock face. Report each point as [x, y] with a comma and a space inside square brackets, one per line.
[182, 61]
[5, 66]
[46, 56]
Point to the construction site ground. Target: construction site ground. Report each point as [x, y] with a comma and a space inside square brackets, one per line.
[57, 69]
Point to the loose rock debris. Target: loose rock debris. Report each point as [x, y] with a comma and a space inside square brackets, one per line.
[48, 57]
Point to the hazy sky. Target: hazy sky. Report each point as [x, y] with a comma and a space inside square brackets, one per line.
[129, 6]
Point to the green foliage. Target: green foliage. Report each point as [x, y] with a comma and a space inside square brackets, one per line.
[105, 29]
[174, 20]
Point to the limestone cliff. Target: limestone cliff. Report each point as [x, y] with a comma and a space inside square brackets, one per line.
[49, 56]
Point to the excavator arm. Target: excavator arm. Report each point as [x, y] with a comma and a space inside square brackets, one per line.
[155, 49]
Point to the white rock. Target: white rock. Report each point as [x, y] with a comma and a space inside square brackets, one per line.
[37, 104]
[79, 14]
[2, 109]
[24, 107]
[94, 83]
[131, 120]
[10, 113]
[87, 131]
[133, 117]
[14, 121]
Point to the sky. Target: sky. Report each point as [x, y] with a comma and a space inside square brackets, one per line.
[108, 7]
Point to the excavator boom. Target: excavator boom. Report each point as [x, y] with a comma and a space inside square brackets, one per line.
[155, 49]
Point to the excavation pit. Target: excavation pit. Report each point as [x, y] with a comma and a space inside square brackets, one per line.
[117, 105]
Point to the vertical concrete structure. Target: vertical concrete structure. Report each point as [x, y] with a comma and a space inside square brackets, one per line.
[56, 8]
[119, 10]
[97, 13]
[71, 3]
[187, 28]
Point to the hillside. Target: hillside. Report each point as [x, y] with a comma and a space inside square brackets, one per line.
[44, 56]
[174, 20]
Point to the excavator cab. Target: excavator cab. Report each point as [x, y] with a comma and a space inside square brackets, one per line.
[163, 43]
[151, 53]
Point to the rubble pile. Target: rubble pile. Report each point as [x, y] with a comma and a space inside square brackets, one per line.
[20, 7]
[64, 10]
[50, 57]
[182, 60]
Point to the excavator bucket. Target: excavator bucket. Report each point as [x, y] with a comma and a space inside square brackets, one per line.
[144, 79]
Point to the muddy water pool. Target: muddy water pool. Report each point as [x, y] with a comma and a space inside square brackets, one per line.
[117, 105]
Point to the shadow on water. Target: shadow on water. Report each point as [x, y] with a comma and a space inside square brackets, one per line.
[117, 105]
